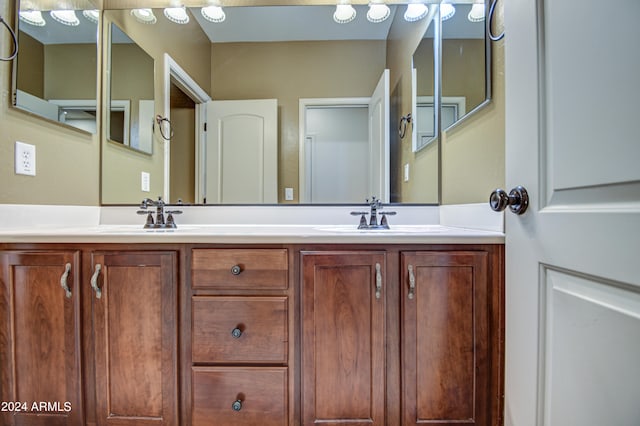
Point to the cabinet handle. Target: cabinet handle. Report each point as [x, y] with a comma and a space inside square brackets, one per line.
[378, 281]
[236, 333]
[236, 269]
[94, 281]
[237, 405]
[412, 283]
[63, 280]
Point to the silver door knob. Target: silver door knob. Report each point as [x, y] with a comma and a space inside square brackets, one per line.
[517, 200]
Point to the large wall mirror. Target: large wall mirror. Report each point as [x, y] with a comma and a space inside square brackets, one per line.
[301, 57]
[55, 73]
[130, 105]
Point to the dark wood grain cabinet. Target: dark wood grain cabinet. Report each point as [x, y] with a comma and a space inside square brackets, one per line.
[40, 347]
[135, 331]
[243, 335]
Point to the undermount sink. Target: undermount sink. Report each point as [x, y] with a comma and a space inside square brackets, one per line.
[394, 229]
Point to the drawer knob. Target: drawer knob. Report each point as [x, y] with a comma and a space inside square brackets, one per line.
[236, 333]
[237, 405]
[236, 269]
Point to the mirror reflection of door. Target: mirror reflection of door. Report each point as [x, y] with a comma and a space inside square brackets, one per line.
[182, 152]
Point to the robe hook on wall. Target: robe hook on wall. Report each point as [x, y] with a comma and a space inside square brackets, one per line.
[405, 121]
[160, 120]
[15, 41]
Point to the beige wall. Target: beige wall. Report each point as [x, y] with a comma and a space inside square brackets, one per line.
[191, 49]
[182, 155]
[70, 71]
[290, 71]
[422, 187]
[67, 160]
[31, 66]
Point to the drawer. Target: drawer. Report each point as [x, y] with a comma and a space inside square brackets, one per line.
[258, 393]
[239, 269]
[239, 329]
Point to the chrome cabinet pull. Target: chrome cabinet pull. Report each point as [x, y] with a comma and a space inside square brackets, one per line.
[236, 269]
[63, 280]
[412, 283]
[94, 281]
[236, 333]
[237, 405]
[378, 282]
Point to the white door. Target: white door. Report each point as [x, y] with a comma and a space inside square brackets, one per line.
[572, 259]
[379, 139]
[242, 152]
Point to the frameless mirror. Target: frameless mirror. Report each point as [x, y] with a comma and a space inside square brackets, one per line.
[465, 61]
[130, 107]
[55, 72]
[425, 73]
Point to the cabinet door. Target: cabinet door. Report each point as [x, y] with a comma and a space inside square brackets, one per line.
[135, 328]
[445, 338]
[40, 381]
[343, 332]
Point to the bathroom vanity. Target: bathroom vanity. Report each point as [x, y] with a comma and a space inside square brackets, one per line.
[282, 325]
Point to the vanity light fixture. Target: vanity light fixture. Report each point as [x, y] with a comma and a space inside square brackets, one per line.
[415, 12]
[32, 17]
[378, 12]
[476, 14]
[213, 14]
[92, 15]
[344, 13]
[144, 16]
[446, 11]
[177, 15]
[66, 17]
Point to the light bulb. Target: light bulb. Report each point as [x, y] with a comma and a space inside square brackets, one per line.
[177, 15]
[213, 14]
[344, 13]
[144, 16]
[378, 12]
[65, 17]
[477, 13]
[415, 12]
[32, 17]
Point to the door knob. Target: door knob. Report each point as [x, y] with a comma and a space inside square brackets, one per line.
[517, 200]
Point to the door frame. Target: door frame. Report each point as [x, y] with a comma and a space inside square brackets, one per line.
[304, 104]
[192, 89]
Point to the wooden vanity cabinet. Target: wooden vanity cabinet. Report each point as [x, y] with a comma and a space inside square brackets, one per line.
[343, 337]
[427, 351]
[240, 315]
[40, 347]
[135, 331]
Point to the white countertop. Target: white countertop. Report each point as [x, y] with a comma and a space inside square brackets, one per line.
[413, 225]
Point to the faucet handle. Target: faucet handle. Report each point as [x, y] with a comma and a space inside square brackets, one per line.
[170, 222]
[387, 213]
[358, 213]
[149, 222]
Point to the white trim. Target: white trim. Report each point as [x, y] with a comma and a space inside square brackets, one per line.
[192, 89]
[304, 103]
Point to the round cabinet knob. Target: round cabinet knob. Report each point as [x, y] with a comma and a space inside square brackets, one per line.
[236, 269]
[237, 405]
[517, 200]
[236, 333]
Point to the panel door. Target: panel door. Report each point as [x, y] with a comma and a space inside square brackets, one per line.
[572, 281]
[40, 339]
[343, 338]
[242, 151]
[445, 338]
[135, 328]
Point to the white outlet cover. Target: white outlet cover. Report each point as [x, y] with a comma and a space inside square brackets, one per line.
[145, 181]
[288, 194]
[25, 159]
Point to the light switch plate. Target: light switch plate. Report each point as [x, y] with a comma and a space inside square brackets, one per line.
[145, 181]
[406, 172]
[288, 194]
[25, 159]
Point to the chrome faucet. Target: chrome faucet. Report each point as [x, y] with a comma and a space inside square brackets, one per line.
[374, 206]
[159, 221]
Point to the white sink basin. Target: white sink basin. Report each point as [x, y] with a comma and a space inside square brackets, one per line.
[395, 229]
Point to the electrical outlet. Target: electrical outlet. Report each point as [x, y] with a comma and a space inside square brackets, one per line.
[288, 194]
[25, 160]
[145, 181]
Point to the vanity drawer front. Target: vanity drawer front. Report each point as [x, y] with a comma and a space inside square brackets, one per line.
[264, 269]
[230, 329]
[239, 396]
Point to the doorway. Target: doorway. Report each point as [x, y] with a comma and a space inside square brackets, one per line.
[182, 157]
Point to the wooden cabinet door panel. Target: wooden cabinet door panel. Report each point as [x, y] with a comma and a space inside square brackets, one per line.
[40, 338]
[445, 338]
[343, 331]
[135, 326]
